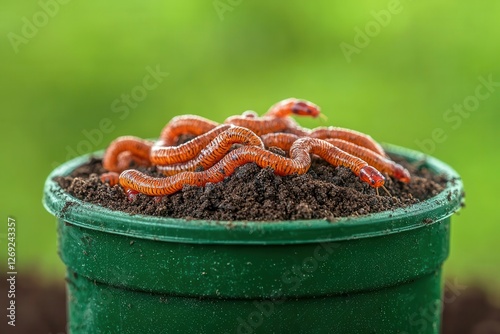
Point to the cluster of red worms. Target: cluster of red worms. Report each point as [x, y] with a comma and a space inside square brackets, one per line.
[211, 150]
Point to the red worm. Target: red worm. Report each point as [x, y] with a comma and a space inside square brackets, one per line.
[281, 140]
[125, 159]
[215, 150]
[110, 178]
[293, 106]
[260, 125]
[336, 157]
[299, 163]
[167, 155]
[378, 161]
[352, 136]
[381, 163]
[116, 158]
[276, 119]
[187, 124]
[196, 125]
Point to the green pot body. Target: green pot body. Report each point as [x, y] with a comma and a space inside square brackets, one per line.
[379, 273]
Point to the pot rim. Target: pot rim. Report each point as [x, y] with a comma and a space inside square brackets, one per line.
[92, 216]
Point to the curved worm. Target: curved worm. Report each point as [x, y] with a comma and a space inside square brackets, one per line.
[196, 125]
[215, 150]
[167, 155]
[299, 163]
[260, 125]
[376, 160]
[116, 158]
[336, 157]
[266, 124]
[186, 124]
[381, 163]
[276, 119]
[125, 160]
[280, 140]
[293, 106]
[352, 136]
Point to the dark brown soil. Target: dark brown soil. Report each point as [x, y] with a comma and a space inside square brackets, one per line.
[253, 193]
[42, 309]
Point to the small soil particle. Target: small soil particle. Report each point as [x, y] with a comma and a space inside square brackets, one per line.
[428, 221]
[256, 194]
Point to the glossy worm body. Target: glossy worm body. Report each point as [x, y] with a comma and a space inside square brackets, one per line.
[281, 140]
[381, 163]
[187, 124]
[260, 125]
[352, 136]
[215, 150]
[376, 160]
[336, 157]
[196, 125]
[167, 155]
[276, 119]
[125, 160]
[293, 106]
[299, 162]
[123, 150]
[211, 150]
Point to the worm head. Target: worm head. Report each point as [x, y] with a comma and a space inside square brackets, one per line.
[371, 176]
[401, 173]
[296, 107]
[303, 108]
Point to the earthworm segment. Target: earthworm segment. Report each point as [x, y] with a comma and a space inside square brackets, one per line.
[186, 124]
[352, 136]
[165, 155]
[123, 150]
[218, 149]
[299, 162]
[215, 150]
[381, 163]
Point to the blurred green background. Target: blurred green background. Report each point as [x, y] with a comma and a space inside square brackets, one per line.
[390, 70]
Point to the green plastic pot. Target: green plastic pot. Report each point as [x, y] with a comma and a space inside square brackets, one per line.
[379, 273]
